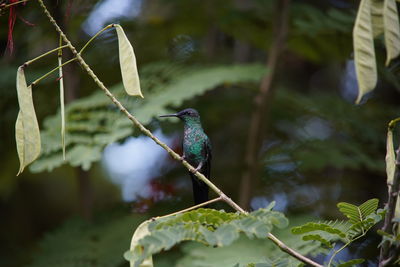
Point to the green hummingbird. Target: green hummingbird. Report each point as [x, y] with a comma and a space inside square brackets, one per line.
[196, 150]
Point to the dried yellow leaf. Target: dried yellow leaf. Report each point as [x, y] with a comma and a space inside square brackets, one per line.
[127, 61]
[364, 53]
[27, 132]
[391, 30]
[390, 157]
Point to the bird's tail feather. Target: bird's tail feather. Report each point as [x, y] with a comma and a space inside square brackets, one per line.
[200, 191]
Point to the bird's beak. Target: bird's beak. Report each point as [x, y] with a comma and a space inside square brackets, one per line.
[169, 115]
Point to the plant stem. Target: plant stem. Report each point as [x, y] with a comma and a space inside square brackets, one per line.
[145, 131]
[45, 54]
[393, 123]
[50, 72]
[343, 247]
[97, 34]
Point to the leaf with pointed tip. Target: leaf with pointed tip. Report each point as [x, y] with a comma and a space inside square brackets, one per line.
[391, 29]
[364, 53]
[390, 157]
[27, 131]
[127, 61]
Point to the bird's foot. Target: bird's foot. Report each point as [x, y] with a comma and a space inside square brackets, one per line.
[196, 169]
[183, 157]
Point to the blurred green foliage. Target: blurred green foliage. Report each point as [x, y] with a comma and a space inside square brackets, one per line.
[318, 147]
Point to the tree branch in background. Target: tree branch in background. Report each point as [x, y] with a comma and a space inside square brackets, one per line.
[145, 131]
[255, 136]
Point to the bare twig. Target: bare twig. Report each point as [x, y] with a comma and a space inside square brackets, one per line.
[145, 131]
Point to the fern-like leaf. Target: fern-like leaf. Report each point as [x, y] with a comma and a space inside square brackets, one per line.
[357, 214]
[93, 122]
[207, 226]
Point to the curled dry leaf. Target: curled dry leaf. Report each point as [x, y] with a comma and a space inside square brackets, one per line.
[27, 132]
[390, 157]
[127, 61]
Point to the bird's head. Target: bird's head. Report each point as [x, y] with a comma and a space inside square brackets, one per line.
[187, 115]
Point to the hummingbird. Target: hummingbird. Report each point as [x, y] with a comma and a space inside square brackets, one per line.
[196, 150]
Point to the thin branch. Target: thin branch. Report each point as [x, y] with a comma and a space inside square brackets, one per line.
[94, 36]
[343, 247]
[45, 54]
[144, 130]
[50, 72]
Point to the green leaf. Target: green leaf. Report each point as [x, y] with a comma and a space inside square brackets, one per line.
[207, 226]
[317, 237]
[83, 156]
[364, 53]
[350, 263]
[127, 60]
[27, 133]
[390, 157]
[94, 122]
[392, 30]
[369, 207]
[359, 215]
[311, 226]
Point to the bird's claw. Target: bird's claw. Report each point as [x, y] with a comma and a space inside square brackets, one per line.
[183, 157]
[194, 170]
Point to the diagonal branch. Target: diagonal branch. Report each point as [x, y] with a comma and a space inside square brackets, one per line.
[145, 131]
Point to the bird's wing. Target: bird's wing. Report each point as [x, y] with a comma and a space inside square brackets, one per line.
[208, 154]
